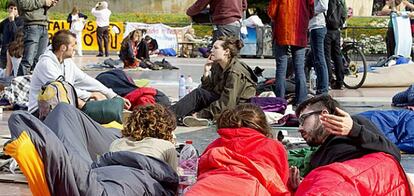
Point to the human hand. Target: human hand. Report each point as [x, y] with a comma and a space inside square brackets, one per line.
[340, 124]
[12, 15]
[207, 66]
[127, 104]
[97, 96]
[294, 178]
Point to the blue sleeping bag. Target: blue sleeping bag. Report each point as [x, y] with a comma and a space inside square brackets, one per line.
[397, 126]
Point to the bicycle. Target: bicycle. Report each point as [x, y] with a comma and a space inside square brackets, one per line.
[355, 65]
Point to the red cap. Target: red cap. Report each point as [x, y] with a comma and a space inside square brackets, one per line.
[189, 142]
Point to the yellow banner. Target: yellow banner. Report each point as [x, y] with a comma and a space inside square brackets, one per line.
[89, 38]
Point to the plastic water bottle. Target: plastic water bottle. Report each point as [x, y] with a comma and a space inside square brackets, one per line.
[181, 87]
[312, 80]
[189, 84]
[188, 165]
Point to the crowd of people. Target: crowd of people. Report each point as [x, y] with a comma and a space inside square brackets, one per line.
[73, 152]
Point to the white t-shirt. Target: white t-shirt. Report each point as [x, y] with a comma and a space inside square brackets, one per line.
[102, 17]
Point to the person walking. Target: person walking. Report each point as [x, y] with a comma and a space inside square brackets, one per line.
[76, 21]
[290, 21]
[317, 29]
[102, 14]
[34, 14]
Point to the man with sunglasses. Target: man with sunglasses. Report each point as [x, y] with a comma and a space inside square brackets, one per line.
[339, 136]
[8, 28]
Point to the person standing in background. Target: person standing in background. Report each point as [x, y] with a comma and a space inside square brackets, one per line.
[333, 41]
[76, 21]
[34, 14]
[102, 14]
[317, 29]
[8, 29]
[225, 15]
[290, 21]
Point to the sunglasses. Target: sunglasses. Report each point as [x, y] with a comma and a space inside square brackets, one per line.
[303, 117]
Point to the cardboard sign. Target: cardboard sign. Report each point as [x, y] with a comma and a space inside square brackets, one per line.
[89, 38]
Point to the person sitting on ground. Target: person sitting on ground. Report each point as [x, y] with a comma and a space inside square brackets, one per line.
[78, 149]
[130, 49]
[226, 82]
[15, 54]
[344, 139]
[190, 36]
[152, 45]
[58, 62]
[148, 131]
[245, 158]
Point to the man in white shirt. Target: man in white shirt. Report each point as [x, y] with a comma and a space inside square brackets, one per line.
[58, 62]
[102, 14]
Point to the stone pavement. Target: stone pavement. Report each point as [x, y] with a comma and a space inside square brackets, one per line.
[354, 101]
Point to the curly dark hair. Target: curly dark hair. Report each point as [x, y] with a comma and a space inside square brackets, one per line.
[319, 102]
[232, 43]
[245, 115]
[150, 121]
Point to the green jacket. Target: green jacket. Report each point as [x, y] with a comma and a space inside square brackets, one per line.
[236, 84]
[34, 12]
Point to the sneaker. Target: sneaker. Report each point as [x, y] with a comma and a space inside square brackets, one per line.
[191, 121]
[99, 55]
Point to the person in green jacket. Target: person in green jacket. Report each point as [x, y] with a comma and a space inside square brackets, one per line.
[34, 14]
[226, 82]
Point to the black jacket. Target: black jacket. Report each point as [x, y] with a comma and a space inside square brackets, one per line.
[364, 138]
[8, 30]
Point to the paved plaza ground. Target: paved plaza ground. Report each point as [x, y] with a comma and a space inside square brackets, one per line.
[354, 101]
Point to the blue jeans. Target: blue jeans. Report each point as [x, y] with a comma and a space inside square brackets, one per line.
[226, 30]
[317, 37]
[35, 43]
[298, 54]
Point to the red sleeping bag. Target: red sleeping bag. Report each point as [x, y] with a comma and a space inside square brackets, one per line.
[372, 174]
[242, 162]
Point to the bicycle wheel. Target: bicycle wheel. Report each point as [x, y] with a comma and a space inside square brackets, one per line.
[355, 66]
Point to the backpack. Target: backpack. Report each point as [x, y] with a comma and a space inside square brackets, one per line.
[54, 92]
[336, 14]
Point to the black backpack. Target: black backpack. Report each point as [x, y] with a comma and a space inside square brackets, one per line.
[336, 14]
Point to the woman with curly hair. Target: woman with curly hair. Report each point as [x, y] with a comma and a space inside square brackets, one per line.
[74, 159]
[149, 131]
[245, 157]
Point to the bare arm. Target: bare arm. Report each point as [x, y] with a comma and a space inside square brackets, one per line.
[9, 65]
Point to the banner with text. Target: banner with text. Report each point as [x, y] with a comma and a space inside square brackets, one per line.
[166, 36]
[89, 38]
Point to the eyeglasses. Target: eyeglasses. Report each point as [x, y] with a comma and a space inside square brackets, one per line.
[303, 117]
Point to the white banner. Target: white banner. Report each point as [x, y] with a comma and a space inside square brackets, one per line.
[166, 36]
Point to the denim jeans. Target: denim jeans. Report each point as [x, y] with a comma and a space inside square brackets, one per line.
[195, 101]
[298, 54]
[317, 38]
[333, 52]
[226, 30]
[35, 43]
